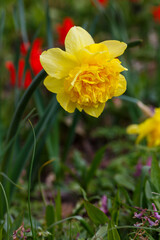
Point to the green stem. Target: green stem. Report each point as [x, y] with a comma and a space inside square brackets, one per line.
[129, 99]
[23, 103]
[29, 181]
[71, 135]
[134, 227]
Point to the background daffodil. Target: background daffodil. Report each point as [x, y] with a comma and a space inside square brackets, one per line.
[150, 129]
[87, 74]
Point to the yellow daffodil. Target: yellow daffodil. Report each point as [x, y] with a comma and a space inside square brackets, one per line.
[87, 74]
[150, 129]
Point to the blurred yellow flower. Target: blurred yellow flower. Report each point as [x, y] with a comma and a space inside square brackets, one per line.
[150, 129]
[87, 74]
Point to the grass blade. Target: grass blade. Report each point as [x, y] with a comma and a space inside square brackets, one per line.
[39, 179]
[2, 22]
[29, 180]
[22, 21]
[7, 206]
[49, 27]
[5, 176]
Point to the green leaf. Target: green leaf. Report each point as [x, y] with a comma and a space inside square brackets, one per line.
[134, 43]
[79, 218]
[87, 226]
[125, 181]
[2, 22]
[112, 232]
[126, 194]
[94, 165]
[137, 194]
[95, 214]
[84, 194]
[41, 127]
[155, 174]
[22, 21]
[50, 216]
[23, 103]
[101, 233]
[138, 197]
[115, 208]
[49, 26]
[148, 190]
[1, 232]
[58, 206]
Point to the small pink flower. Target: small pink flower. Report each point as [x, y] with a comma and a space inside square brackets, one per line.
[149, 161]
[151, 223]
[138, 169]
[138, 215]
[104, 207]
[157, 216]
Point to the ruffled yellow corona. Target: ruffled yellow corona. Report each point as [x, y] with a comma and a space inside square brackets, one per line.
[87, 74]
[150, 129]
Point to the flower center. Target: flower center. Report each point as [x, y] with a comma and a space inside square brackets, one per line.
[93, 84]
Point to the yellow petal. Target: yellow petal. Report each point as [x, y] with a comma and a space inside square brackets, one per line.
[133, 129]
[76, 39]
[57, 63]
[65, 102]
[122, 85]
[95, 112]
[93, 54]
[116, 48]
[53, 84]
[139, 138]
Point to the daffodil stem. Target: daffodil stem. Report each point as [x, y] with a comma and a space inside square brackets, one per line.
[129, 99]
[71, 135]
[23, 103]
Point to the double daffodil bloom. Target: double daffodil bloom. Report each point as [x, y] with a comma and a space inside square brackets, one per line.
[87, 74]
[150, 129]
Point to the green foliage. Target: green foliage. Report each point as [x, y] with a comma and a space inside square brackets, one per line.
[96, 215]
[112, 232]
[91, 158]
[155, 174]
[50, 217]
[94, 166]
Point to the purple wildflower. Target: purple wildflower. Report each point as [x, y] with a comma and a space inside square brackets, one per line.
[149, 161]
[138, 215]
[138, 169]
[104, 207]
[139, 166]
[151, 223]
[156, 215]
[78, 234]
